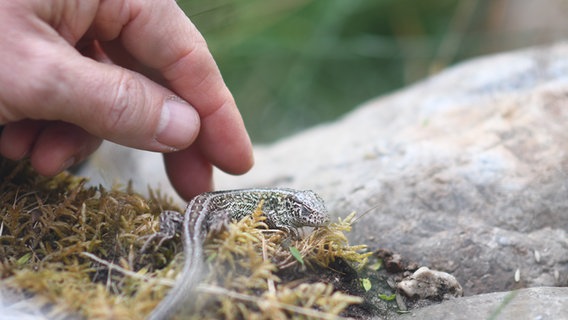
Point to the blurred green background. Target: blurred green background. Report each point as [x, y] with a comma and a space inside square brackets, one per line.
[294, 63]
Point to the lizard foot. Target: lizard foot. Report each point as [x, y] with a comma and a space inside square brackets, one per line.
[170, 225]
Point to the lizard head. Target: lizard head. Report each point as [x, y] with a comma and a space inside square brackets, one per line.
[310, 210]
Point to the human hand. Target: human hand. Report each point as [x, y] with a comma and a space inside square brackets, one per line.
[75, 72]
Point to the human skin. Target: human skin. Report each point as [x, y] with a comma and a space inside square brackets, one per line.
[135, 72]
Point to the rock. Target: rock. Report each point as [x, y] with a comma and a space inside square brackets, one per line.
[465, 172]
[430, 284]
[533, 303]
[114, 164]
[16, 306]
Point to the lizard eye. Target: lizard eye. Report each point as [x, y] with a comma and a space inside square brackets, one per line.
[312, 209]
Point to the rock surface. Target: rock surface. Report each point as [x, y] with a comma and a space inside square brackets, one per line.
[534, 303]
[465, 172]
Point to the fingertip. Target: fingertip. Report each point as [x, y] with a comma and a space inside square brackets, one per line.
[59, 146]
[17, 138]
[241, 161]
[225, 141]
[189, 172]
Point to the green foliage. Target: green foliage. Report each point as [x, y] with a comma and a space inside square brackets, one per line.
[366, 283]
[291, 64]
[386, 297]
[296, 254]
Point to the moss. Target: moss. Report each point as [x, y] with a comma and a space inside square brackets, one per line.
[75, 250]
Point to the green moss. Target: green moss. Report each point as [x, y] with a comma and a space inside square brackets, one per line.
[73, 249]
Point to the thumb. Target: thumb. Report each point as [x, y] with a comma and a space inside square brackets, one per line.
[115, 104]
[132, 110]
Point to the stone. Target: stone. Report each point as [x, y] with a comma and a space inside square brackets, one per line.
[532, 303]
[430, 284]
[465, 172]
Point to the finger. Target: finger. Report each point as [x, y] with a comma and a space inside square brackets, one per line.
[17, 138]
[175, 48]
[59, 146]
[189, 172]
[234, 155]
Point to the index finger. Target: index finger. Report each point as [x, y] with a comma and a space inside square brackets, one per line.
[159, 35]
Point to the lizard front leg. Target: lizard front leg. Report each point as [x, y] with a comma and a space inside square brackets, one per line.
[170, 225]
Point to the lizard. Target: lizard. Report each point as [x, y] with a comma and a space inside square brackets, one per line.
[285, 209]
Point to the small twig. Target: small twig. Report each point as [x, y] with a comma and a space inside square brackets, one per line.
[365, 213]
[112, 266]
[269, 282]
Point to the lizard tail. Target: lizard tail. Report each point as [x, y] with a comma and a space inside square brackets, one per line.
[182, 293]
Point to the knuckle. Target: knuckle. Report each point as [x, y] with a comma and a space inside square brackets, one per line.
[128, 96]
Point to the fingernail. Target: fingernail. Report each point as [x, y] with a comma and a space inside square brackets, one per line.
[67, 164]
[179, 124]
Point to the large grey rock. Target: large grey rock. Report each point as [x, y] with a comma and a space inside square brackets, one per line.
[465, 172]
[542, 303]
